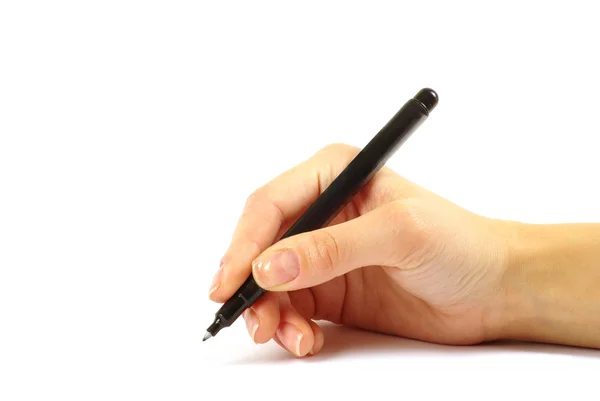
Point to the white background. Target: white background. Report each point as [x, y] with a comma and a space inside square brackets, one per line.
[132, 132]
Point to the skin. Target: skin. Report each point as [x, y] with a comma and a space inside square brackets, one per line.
[402, 260]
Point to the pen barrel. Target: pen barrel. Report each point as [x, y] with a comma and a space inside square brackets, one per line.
[361, 169]
[244, 297]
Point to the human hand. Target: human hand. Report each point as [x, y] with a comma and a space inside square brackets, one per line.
[398, 259]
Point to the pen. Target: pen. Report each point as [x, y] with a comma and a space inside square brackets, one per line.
[338, 194]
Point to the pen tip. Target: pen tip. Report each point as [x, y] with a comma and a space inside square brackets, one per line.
[206, 336]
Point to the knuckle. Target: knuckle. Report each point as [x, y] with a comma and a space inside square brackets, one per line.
[324, 252]
[331, 160]
[412, 226]
[255, 197]
[409, 217]
[259, 199]
[261, 204]
[339, 148]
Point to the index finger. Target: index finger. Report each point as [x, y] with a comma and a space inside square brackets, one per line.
[268, 209]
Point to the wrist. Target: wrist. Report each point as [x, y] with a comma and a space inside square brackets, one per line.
[519, 289]
[549, 286]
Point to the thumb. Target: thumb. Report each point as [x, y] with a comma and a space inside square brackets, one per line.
[384, 236]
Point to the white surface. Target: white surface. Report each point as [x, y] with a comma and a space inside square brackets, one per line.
[132, 132]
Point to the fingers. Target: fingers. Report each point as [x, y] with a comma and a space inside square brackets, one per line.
[304, 302]
[390, 235]
[275, 317]
[262, 319]
[271, 207]
[319, 339]
[294, 332]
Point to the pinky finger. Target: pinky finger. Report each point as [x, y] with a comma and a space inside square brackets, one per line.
[319, 339]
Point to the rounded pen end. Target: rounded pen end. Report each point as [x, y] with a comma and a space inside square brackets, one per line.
[428, 98]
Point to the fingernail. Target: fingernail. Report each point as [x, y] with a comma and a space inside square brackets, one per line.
[281, 267]
[290, 336]
[216, 283]
[252, 322]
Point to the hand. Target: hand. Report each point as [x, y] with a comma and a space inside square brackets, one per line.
[398, 260]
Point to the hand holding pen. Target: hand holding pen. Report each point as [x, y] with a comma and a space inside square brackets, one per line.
[399, 259]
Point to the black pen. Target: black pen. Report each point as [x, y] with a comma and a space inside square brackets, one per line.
[337, 195]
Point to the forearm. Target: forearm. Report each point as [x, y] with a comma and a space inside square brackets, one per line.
[552, 285]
